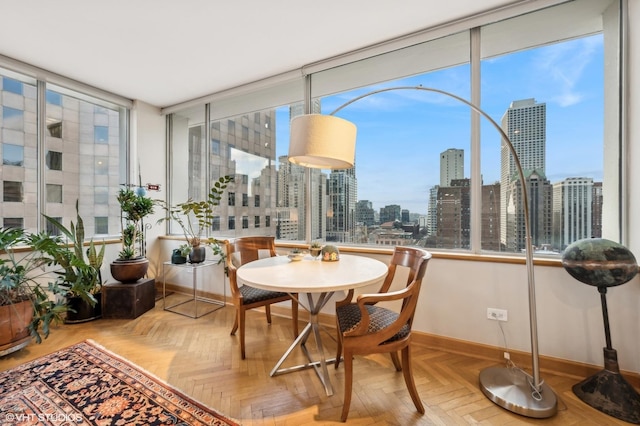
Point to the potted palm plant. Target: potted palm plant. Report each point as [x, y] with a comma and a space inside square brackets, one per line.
[195, 217]
[131, 264]
[80, 279]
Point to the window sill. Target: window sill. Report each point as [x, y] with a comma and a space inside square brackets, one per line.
[448, 255]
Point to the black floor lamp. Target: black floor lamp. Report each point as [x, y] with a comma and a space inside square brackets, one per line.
[328, 142]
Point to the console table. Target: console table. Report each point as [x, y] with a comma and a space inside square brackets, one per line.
[190, 306]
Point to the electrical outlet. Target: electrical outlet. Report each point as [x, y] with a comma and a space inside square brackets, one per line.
[497, 314]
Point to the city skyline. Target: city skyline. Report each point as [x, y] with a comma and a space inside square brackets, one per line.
[428, 124]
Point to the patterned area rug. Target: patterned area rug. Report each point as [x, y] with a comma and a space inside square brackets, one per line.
[86, 384]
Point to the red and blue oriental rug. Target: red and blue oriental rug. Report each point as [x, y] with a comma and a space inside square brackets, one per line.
[85, 384]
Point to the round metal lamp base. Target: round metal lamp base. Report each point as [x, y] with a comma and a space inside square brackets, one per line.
[510, 389]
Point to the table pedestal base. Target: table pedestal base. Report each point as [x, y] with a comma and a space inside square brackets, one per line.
[320, 366]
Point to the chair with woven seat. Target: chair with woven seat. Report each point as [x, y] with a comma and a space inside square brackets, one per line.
[244, 250]
[365, 328]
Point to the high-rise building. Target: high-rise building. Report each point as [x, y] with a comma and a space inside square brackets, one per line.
[454, 215]
[364, 213]
[247, 140]
[341, 214]
[290, 195]
[572, 211]
[540, 212]
[451, 166]
[290, 192]
[390, 213]
[596, 211]
[491, 217]
[297, 108]
[525, 125]
[81, 146]
[432, 211]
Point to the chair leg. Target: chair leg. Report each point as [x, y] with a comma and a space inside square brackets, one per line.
[339, 347]
[235, 322]
[294, 317]
[348, 384]
[408, 378]
[267, 310]
[396, 361]
[241, 321]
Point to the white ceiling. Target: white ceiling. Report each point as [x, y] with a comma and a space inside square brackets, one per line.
[165, 52]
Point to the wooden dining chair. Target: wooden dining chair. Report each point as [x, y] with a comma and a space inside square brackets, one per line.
[244, 250]
[365, 328]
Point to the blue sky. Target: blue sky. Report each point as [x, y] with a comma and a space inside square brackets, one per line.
[402, 133]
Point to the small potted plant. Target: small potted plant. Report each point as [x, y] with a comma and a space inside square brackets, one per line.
[296, 254]
[315, 248]
[131, 264]
[179, 255]
[195, 217]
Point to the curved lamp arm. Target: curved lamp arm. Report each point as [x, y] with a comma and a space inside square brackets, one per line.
[525, 199]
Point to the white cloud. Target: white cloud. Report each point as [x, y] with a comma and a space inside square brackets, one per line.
[564, 64]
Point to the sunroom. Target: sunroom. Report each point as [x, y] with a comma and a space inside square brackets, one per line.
[429, 172]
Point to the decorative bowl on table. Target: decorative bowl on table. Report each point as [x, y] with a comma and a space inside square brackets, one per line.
[295, 255]
[330, 253]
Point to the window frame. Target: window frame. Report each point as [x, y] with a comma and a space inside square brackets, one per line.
[48, 89]
[319, 77]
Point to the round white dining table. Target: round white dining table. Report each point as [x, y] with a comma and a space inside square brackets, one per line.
[319, 280]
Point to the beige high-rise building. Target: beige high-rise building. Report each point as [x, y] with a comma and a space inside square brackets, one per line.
[572, 211]
[524, 122]
[451, 166]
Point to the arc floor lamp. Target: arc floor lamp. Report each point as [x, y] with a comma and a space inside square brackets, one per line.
[328, 142]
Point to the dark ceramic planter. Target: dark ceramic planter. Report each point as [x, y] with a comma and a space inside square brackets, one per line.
[198, 254]
[129, 271]
[83, 311]
[177, 258]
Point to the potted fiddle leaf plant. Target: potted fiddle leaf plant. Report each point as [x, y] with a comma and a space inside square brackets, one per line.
[80, 279]
[131, 264]
[26, 309]
[195, 217]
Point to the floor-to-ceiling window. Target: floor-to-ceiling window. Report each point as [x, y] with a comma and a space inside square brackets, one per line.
[548, 91]
[242, 139]
[428, 172]
[59, 146]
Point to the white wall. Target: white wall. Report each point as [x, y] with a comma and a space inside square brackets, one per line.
[457, 293]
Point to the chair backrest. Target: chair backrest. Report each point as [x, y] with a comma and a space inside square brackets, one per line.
[244, 250]
[247, 249]
[416, 260]
[413, 258]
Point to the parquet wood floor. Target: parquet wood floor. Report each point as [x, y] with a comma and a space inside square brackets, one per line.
[199, 357]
